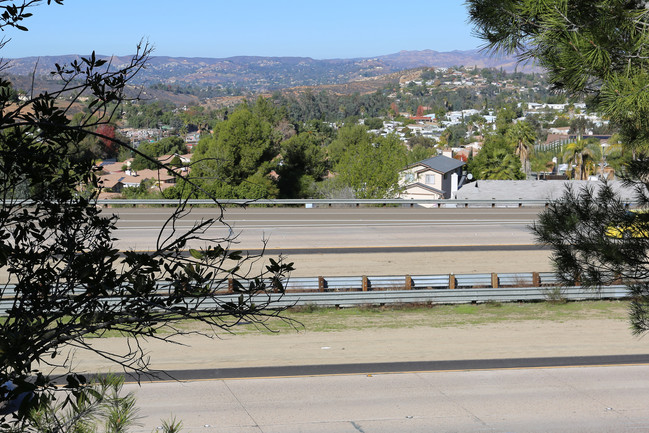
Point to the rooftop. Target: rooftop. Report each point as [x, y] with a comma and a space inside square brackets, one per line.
[440, 163]
[531, 189]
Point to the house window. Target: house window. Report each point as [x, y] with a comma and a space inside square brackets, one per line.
[410, 177]
[430, 179]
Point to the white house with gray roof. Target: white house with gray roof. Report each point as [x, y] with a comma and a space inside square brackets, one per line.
[433, 178]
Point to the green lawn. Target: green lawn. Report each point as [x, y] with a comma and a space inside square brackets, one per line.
[315, 319]
[439, 316]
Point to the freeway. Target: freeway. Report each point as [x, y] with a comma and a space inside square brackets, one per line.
[322, 228]
[365, 241]
[436, 393]
[588, 399]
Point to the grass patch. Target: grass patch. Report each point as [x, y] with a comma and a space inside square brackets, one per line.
[440, 316]
[318, 319]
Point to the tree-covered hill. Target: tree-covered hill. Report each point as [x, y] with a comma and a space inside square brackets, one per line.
[260, 74]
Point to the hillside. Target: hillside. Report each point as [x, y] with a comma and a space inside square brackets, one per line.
[267, 74]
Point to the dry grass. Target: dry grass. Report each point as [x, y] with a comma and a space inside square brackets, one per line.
[440, 316]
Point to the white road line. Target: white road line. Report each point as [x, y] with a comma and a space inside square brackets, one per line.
[332, 225]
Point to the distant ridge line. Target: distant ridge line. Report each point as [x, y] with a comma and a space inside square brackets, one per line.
[265, 73]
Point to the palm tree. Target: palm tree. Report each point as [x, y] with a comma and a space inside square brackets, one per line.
[501, 165]
[581, 156]
[522, 136]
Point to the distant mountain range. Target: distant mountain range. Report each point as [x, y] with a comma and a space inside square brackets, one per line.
[260, 74]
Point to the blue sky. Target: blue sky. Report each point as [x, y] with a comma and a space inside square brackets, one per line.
[217, 28]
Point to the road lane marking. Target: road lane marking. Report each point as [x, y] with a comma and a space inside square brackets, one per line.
[235, 226]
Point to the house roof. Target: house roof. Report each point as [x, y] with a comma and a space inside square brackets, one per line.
[442, 164]
[532, 189]
[162, 177]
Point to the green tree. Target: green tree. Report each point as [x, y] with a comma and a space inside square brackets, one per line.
[302, 164]
[455, 134]
[65, 279]
[419, 153]
[598, 49]
[257, 186]
[578, 126]
[373, 123]
[504, 119]
[499, 164]
[496, 161]
[236, 150]
[523, 137]
[148, 152]
[581, 156]
[420, 140]
[370, 166]
[348, 137]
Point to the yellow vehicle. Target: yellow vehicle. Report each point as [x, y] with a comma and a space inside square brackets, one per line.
[636, 227]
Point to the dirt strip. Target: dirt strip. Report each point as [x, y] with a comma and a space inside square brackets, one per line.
[515, 339]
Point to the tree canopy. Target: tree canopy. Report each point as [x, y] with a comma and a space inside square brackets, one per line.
[369, 164]
[148, 152]
[65, 279]
[496, 161]
[234, 156]
[598, 49]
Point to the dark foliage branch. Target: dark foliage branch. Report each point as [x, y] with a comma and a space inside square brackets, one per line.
[598, 49]
[594, 49]
[585, 252]
[66, 280]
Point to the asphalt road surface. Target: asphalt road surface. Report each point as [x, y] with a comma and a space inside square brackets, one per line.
[375, 241]
[322, 228]
[578, 399]
[342, 228]
[365, 241]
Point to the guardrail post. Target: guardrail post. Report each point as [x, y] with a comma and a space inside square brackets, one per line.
[230, 285]
[365, 283]
[451, 281]
[618, 279]
[321, 284]
[536, 279]
[494, 280]
[408, 282]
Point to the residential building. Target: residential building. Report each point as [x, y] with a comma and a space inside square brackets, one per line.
[433, 178]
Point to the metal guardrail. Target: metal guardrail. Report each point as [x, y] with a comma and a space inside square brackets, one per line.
[325, 202]
[450, 203]
[418, 282]
[423, 289]
[390, 282]
[427, 296]
[309, 203]
[446, 296]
